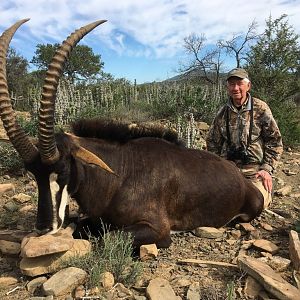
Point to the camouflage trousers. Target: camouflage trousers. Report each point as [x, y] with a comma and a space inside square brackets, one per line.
[249, 172]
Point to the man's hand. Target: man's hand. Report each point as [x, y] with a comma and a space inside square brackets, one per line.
[266, 179]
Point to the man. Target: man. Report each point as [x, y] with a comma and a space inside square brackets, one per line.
[245, 132]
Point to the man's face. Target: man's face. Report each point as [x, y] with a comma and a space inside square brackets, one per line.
[237, 90]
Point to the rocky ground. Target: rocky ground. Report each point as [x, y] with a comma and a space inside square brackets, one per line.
[211, 281]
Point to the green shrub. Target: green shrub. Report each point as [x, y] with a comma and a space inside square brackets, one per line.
[288, 119]
[29, 126]
[9, 158]
[112, 252]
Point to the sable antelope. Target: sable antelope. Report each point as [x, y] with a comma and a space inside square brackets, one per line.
[157, 185]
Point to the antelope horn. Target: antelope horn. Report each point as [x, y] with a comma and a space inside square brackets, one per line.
[16, 134]
[47, 145]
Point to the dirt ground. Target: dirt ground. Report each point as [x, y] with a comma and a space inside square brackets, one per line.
[214, 281]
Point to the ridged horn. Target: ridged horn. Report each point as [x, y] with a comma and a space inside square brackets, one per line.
[47, 145]
[16, 134]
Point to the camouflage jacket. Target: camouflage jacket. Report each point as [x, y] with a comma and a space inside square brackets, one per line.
[264, 149]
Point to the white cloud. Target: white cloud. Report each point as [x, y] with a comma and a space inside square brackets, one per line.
[144, 28]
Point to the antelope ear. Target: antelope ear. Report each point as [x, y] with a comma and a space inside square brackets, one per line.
[88, 157]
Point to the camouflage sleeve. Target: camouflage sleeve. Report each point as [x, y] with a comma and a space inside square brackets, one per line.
[215, 139]
[272, 139]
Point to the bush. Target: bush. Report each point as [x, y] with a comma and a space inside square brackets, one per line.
[111, 252]
[9, 158]
[29, 126]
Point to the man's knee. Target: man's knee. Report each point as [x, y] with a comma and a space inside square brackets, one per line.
[267, 196]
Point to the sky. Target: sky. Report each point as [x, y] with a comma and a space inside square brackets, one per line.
[142, 39]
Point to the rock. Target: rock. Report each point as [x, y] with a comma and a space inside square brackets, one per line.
[27, 209]
[231, 241]
[35, 283]
[148, 252]
[46, 244]
[279, 263]
[21, 198]
[252, 287]
[35, 266]
[255, 234]
[13, 235]
[107, 280]
[247, 227]
[11, 206]
[79, 292]
[7, 281]
[159, 289]
[236, 234]
[139, 297]
[119, 291]
[295, 195]
[194, 292]
[9, 248]
[64, 281]
[284, 191]
[208, 232]
[266, 226]
[6, 187]
[265, 246]
[247, 244]
[294, 249]
[181, 282]
[270, 280]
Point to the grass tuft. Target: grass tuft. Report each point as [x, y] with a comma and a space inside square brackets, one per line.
[111, 252]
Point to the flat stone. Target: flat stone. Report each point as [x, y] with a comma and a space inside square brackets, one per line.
[64, 281]
[269, 279]
[294, 249]
[194, 292]
[35, 266]
[9, 248]
[13, 235]
[284, 191]
[266, 246]
[35, 283]
[208, 232]
[247, 227]
[266, 226]
[21, 198]
[7, 281]
[46, 244]
[159, 288]
[252, 287]
[6, 187]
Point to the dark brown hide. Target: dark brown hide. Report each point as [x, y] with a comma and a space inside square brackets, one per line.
[162, 186]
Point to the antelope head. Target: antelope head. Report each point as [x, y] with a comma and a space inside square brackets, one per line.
[50, 161]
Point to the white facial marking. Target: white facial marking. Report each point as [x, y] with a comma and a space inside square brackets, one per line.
[63, 203]
[54, 189]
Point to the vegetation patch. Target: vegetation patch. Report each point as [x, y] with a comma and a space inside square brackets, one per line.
[111, 252]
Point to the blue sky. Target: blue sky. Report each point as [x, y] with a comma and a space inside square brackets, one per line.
[143, 39]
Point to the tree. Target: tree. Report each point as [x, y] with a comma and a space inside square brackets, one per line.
[272, 65]
[83, 63]
[16, 72]
[273, 62]
[238, 45]
[204, 64]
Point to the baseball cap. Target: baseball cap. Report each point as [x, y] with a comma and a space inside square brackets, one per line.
[238, 72]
